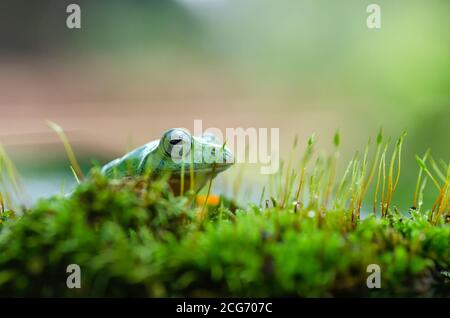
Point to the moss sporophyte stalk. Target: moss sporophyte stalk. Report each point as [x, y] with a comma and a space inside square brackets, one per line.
[313, 232]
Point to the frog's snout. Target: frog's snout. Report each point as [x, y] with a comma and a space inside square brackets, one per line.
[228, 157]
[222, 156]
[224, 160]
[228, 160]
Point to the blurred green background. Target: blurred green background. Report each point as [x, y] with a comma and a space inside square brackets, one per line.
[136, 68]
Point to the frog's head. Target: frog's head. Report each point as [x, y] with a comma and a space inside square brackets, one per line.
[205, 153]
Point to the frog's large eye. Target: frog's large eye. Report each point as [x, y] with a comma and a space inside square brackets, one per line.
[176, 142]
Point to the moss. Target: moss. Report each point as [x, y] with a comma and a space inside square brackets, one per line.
[136, 238]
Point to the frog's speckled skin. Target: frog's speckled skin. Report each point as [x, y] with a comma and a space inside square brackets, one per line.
[155, 158]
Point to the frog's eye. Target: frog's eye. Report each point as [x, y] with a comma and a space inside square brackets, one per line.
[176, 142]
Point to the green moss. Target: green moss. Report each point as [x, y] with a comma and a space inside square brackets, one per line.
[136, 238]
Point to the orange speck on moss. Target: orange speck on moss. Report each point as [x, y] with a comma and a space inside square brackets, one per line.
[212, 200]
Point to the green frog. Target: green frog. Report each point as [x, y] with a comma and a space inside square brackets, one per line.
[176, 153]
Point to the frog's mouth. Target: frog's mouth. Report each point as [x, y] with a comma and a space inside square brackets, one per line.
[213, 168]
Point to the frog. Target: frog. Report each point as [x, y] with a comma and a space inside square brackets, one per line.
[175, 154]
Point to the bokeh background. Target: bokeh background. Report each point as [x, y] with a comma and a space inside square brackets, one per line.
[137, 68]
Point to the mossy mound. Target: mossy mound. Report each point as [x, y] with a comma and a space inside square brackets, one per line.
[136, 238]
